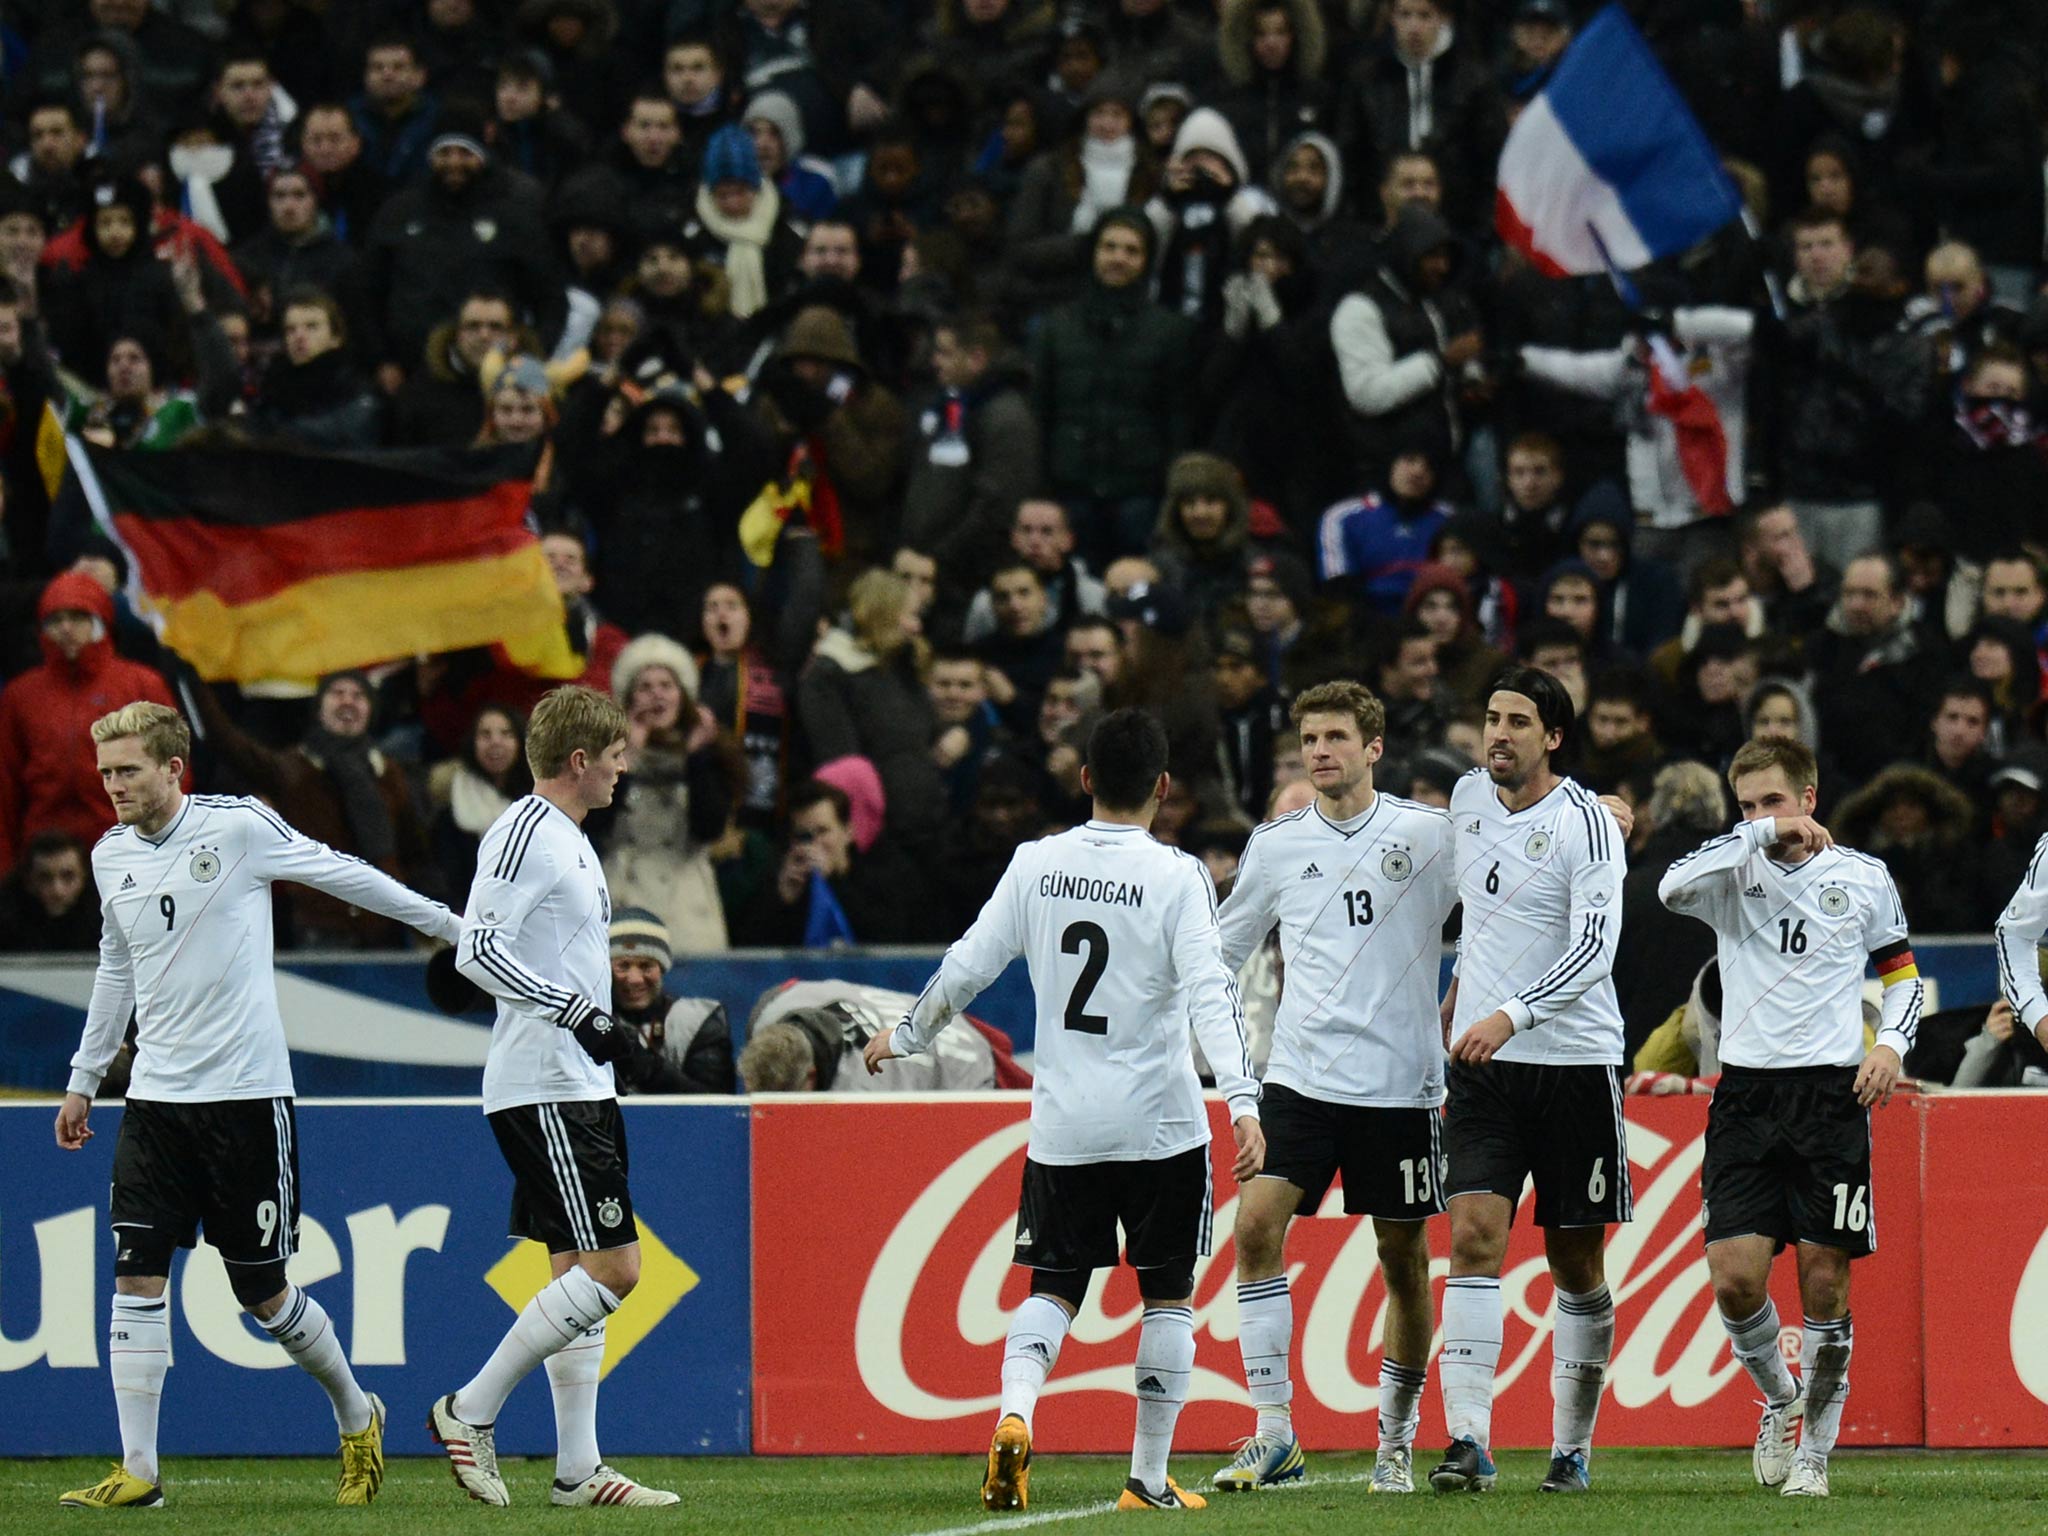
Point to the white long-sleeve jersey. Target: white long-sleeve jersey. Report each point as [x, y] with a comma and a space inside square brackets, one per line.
[1542, 894]
[2018, 930]
[1792, 940]
[537, 937]
[1361, 906]
[1119, 933]
[186, 947]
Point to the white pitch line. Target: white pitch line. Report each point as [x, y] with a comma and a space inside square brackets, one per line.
[1050, 1516]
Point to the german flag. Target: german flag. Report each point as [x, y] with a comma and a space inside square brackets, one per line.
[265, 562]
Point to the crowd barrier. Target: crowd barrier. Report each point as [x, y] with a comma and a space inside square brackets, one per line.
[831, 1275]
[361, 1025]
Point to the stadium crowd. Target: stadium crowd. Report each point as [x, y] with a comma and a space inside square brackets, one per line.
[913, 379]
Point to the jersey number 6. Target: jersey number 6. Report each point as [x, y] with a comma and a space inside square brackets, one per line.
[1090, 934]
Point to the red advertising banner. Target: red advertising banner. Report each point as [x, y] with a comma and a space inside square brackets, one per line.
[882, 1299]
[1986, 1316]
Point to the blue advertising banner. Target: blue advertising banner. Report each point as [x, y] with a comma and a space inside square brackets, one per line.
[403, 1242]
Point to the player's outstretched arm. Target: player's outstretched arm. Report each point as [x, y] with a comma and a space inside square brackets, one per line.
[292, 855]
[1247, 916]
[2018, 934]
[972, 962]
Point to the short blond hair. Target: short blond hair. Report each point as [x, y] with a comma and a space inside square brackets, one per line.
[1767, 752]
[160, 728]
[777, 1060]
[1343, 697]
[569, 720]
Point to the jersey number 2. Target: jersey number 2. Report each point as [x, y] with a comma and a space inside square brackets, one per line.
[1090, 934]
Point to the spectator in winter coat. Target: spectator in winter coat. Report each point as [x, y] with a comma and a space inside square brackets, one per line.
[1798, 591]
[395, 115]
[806, 184]
[48, 904]
[1205, 200]
[1403, 340]
[683, 780]
[827, 413]
[442, 403]
[1109, 375]
[651, 169]
[1026, 648]
[747, 678]
[862, 696]
[673, 1044]
[1873, 669]
[338, 788]
[298, 248]
[738, 223]
[1918, 826]
[465, 225]
[1307, 181]
[1068, 189]
[49, 777]
[121, 289]
[1442, 602]
[1372, 546]
[975, 456]
[665, 502]
[1203, 534]
[311, 393]
[1272, 53]
[472, 789]
[531, 132]
[827, 886]
[1425, 88]
[1639, 596]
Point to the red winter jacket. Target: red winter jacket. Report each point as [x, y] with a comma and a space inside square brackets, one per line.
[49, 772]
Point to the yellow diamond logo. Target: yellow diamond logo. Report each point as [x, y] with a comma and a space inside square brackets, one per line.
[664, 1281]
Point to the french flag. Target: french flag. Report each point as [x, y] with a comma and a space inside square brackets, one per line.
[1606, 169]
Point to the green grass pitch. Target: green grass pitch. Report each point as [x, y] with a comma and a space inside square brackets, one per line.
[1642, 1493]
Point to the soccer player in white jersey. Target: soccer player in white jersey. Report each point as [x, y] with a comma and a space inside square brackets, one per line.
[207, 1140]
[2019, 931]
[1360, 884]
[1119, 933]
[1788, 1137]
[1534, 1089]
[537, 937]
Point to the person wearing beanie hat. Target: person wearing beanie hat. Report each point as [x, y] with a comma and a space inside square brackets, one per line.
[1109, 375]
[683, 782]
[469, 225]
[738, 222]
[673, 1044]
[808, 189]
[1374, 544]
[1204, 527]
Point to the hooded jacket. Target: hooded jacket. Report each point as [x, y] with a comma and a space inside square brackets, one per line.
[1211, 573]
[49, 774]
[1447, 104]
[852, 703]
[1268, 109]
[1109, 386]
[1388, 338]
[1937, 879]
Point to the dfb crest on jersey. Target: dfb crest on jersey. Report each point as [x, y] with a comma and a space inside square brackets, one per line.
[1538, 845]
[1397, 865]
[1834, 901]
[609, 1213]
[205, 866]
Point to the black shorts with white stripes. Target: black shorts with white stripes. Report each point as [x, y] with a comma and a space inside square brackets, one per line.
[568, 1165]
[1068, 1214]
[1391, 1158]
[231, 1167]
[1788, 1158]
[1510, 1121]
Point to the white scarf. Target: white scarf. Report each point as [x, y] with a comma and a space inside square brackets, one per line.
[746, 242]
[474, 801]
[1105, 179]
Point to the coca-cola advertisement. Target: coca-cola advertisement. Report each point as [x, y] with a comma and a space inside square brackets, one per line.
[883, 1232]
[1987, 1270]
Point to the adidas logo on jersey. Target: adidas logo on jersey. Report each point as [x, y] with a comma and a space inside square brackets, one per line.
[1755, 890]
[1311, 873]
[127, 882]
